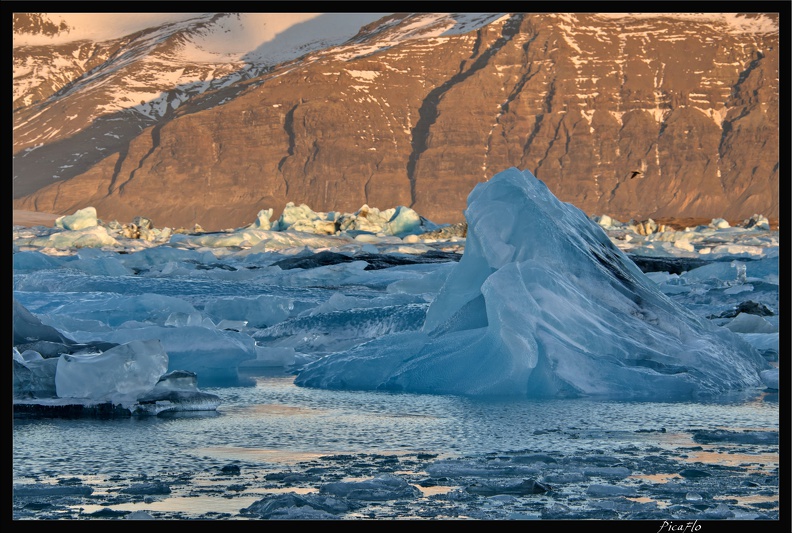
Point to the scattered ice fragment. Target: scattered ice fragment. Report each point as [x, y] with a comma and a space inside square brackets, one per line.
[81, 219]
[770, 378]
[120, 374]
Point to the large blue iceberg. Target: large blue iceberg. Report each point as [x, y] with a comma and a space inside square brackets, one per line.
[542, 304]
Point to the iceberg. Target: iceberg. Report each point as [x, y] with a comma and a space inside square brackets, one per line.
[120, 374]
[55, 375]
[81, 219]
[543, 304]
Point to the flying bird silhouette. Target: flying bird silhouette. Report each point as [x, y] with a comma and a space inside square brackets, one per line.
[636, 174]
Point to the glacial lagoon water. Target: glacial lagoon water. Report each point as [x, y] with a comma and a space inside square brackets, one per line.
[274, 450]
[274, 428]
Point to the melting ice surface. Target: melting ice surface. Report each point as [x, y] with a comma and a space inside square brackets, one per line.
[544, 304]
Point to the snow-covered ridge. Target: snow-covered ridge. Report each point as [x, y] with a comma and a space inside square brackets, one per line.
[731, 22]
[213, 37]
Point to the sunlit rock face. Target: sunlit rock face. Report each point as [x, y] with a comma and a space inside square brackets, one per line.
[414, 111]
[543, 304]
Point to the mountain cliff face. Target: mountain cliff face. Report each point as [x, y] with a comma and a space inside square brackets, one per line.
[414, 110]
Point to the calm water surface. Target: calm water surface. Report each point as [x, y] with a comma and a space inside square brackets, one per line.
[275, 422]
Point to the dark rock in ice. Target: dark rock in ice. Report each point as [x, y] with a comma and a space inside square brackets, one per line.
[672, 265]
[380, 488]
[738, 437]
[446, 232]
[108, 513]
[68, 408]
[145, 489]
[375, 261]
[748, 307]
[212, 266]
[318, 259]
[231, 470]
[526, 486]
[380, 261]
[693, 473]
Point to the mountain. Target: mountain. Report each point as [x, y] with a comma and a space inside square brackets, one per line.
[208, 118]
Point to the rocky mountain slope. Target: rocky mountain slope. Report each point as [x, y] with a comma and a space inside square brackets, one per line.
[412, 109]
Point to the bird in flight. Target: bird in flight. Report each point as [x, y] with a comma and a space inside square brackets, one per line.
[636, 174]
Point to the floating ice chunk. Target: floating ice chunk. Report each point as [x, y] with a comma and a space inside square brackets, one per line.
[261, 241]
[28, 327]
[260, 311]
[292, 506]
[684, 244]
[758, 222]
[34, 376]
[342, 329]
[99, 263]
[597, 490]
[34, 260]
[303, 218]
[232, 325]
[212, 354]
[737, 249]
[381, 488]
[263, 220]
[770, 378]
[748, 323]
[180, 319]
[404, 221]
[426, 283]
[120, 374]
[163, 255]
[719, 223]
[718, 271]
[117, 309]
[90, 237]
[176, 391]
[270, 357]
[248, 236]
[44, 490]
[81, 219]
[765, 343]
[604, 220]
[543, 304]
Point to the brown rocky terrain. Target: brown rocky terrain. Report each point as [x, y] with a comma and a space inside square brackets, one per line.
[581, 100]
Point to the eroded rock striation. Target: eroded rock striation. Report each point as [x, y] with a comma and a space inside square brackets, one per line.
[415, 110]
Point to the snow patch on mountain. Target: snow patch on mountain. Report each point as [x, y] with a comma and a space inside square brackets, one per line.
[731, 22]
